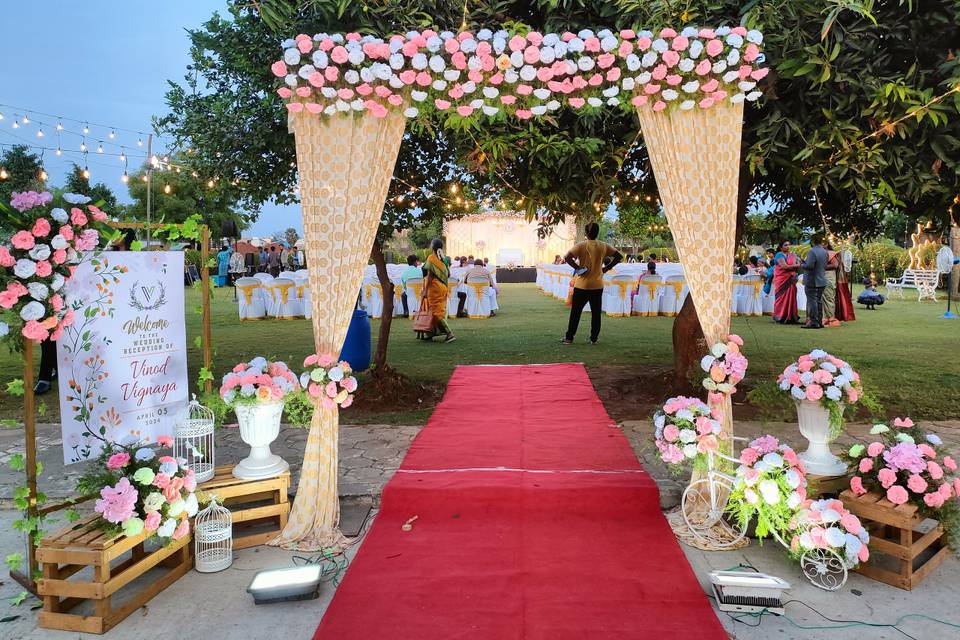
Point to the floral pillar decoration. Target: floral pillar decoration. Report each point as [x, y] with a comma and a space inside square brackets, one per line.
[345, 164]
[348, 95]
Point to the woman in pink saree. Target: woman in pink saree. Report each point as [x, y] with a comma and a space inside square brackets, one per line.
[785, 309]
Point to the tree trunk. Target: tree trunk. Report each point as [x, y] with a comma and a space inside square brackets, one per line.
[386, 318]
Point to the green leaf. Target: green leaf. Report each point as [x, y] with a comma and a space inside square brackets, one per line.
[136, 245]
[198, 342]
[16, 462]
[18, 599]
[13, 561]
[15, 387]
[72, 515]
[203, 375]
[42, 408]
[9, 422]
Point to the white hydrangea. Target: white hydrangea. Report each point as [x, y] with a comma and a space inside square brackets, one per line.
[291, 56]
[660, 45]
[59, 215]
[411, 112]
[351, 76]
[686, 65]
[687, 105]
[38, 291]
[24, 268]
[33, 310]
[669, 94]
[356, 56]
[649, 59]
[690, 87]
[541, 93]
[695, 48]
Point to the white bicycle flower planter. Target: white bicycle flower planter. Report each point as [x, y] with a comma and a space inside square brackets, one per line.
[704, 505]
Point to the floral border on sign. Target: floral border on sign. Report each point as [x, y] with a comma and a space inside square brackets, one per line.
[519, 74]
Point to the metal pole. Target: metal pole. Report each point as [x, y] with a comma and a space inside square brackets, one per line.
[149, 182]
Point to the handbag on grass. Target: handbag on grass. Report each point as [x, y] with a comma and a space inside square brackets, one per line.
[423, 320]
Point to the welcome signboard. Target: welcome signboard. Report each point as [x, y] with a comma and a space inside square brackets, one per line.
[122, 363]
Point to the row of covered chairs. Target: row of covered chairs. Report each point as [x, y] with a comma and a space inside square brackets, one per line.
[481, 298]
[283, 298]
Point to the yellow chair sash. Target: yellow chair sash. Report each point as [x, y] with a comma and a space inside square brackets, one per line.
[300, 290]
[624, 287]
[677, 288]
[478, 288]
[284, 290]
[651, 288]
[248, 290]
[417, 289]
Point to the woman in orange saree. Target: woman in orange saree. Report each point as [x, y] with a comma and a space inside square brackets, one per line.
[436, 291]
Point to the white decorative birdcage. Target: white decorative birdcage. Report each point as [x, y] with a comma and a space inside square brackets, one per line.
[193, 440]
[213, 538]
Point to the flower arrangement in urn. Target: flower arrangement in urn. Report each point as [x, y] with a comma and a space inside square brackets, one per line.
[771, 484]
[821, 385]
[685, 430]
[908, 466]
[329, 382]
[257, 391]
[141, 490]
[51, 239]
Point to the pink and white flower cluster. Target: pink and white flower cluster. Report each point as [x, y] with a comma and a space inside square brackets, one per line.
[827, 524]
[258, 381]
[725, 365]
[771, 482]
[523, 75]
[903, 469]
[821, 377]
[329, 382]
[148, 492]
[51, 240]
[685, 428]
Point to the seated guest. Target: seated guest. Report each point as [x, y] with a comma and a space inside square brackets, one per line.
[652, 258]
[413, 270]
[755, 267]
[479, 271]
[486, 262]
[557, 259]
[652, 268]
[469, 260]
[870, 297]
[463, 261]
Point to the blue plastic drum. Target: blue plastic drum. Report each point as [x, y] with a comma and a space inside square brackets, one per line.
[356, 347]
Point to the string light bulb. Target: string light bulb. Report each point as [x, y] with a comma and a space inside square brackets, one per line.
[123, 156]
[99, 147]
[16, 124]
[210, 184]
[59, 151]
[39, 133]
[59, 126]
[124, 178]
[1, 116]
[113, 134]
[26, 119]
[86, 128]
[166, 188]
[83, 145]
[3, 173]
[86, 173]
[139, 142]
[43, 175]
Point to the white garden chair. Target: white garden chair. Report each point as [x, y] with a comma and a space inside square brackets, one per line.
[746, 295]
[373, 293]
[453, 300]
[414, 290]
[647, 300]
[250, 300]
[673, 294]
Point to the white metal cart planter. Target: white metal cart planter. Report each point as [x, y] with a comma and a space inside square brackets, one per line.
[704, 509]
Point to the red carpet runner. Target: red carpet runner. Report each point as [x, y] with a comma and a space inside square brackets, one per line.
[535, 521]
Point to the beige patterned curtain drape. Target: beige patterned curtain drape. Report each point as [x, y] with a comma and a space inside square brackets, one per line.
[345, 164]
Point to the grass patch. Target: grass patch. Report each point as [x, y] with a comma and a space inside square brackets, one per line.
[907, 356]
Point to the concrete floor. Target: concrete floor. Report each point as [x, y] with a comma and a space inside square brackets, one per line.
[216, 606]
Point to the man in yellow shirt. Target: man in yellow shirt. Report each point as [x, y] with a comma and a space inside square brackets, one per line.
[587, 260]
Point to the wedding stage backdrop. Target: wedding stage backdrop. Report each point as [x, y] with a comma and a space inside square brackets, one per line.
[345, 94]
[506, 237]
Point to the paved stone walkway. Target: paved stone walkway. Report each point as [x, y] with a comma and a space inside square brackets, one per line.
[370, 454]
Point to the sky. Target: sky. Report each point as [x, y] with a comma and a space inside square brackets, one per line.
[105, 62]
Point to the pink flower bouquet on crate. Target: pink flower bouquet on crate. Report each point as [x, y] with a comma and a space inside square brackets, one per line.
[51, 238]
[258, 381]
[725, 366]
[685, 430]
[770, 485]
[329, 382]
[909, 466]
[141, 490]
[824, 379]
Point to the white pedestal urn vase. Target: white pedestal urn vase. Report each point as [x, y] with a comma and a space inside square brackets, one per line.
[259, 426]
[814, 420]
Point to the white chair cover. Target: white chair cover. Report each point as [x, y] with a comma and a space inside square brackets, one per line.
[287, 305]
[747, 293]
[250, 300]
[478, 301]
[453, 300]
[674, 293]
[647, 300]
[374, 299]
[616, 295]
[414, 291]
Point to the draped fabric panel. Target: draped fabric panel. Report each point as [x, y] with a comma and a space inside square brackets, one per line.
[696, 161]
[345, 164]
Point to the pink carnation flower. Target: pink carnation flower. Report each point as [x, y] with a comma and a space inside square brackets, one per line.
[117, 503]
[866, 464]
[934, 470]
[874, 449]
[897, 494]
[949, 463]
[118, 460]
[856, 485]
[23, 240]
[933, 500]
[916, 484]
[182, 529]
[152, 521]
[671, 433]
[41, 227]
[748, 456]
[886, 477]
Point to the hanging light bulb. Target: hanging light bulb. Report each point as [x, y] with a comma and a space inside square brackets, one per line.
[86, 173]
[26, 119]
[16, 124]
[86, 128]
[113, 134]
[139, 142]
[59, 151]
[3, 173]
[166, 188]
[39, 133]
[125, 178]
[1, 116]
[194, 174]
[59, 126]
[123, 156]
[177, 169]
[145, 178]
[210, 184]
[99, 147]
[83, 145]
[43, 175]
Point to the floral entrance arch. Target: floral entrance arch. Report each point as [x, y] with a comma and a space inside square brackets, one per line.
[348, 96]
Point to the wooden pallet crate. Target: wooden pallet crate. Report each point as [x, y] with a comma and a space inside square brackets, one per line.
[896, 538]
[260, 507]
[84, 545]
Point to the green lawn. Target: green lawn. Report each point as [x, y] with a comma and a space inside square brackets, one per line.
[906, 354]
